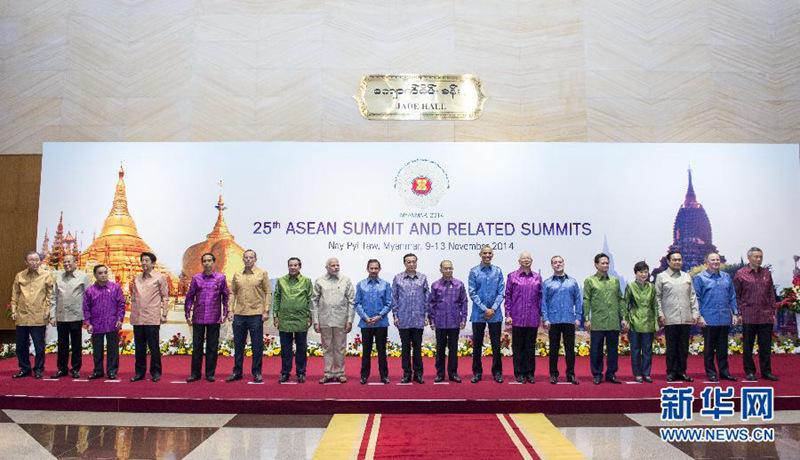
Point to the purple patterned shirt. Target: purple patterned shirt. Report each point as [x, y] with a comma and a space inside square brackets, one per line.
[103, 307]
[448, 304]
[207, 294]
[410, 300]
[524, 298]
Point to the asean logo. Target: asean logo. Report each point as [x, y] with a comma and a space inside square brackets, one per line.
[421, 183]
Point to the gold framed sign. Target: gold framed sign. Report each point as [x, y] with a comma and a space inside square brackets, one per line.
[420, 97]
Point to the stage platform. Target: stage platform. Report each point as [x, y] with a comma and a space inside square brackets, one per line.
[172, 394]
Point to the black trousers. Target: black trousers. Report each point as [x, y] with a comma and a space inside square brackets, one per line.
[69, 337]
[523, 347]
[377, 335]
[242, 325]
[677, 336]
[447, 343]
[24, 335]
[611, 341]
[207, 334]
[289, 340]
[716, 346]
[557, 331]
[111, 340]
[145, 337]
[762, 332]
[478, 330]
[411, 342]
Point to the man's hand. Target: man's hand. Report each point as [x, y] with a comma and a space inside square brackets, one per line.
[308, 322]
[396, 322]
[433, 327]
[316, 328]
[661, 321]
[588, 325]
[230, 316]
[577, 323]
[508, 321]
[625, 326]
[89, 328]
[277, 322]
[547, 325]
[349, 327]
[737, 320]
[118, 325]
[14, 316]
[52, 321]
[374, 319]
[189, 322]
[701, 322]
[488, 313]
[462, 325]
[265, 316]
[163, 319]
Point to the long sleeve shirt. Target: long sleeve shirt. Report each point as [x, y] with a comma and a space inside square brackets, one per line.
[292, 304]
[562, 303]
[373, 298]
[251, 291]
[602, 302]
[67, 304]
[755, 294]
[524, 298]
[486, 288]
[716, 296]
[149, 299]
[207, 298]
[410, 301]
[31, 297]
[103, 307]
[641, 309]
[332, 301]
[677, 301]
[448, 301]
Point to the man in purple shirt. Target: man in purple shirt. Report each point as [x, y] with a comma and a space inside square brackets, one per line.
[208, 297]
[523, 310]
[410, 311]
[103, 311]
[448, 315]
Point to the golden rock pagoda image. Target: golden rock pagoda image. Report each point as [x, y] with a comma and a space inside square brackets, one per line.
[119, 245]
[219, 242]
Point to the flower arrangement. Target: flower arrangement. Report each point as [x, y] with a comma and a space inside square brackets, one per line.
[790, 297]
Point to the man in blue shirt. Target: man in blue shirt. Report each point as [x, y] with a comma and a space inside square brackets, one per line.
[372, 304]
[486, 289]
[718, 310]
[410, 296]
[562, 310]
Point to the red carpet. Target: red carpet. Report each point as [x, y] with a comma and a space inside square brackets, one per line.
[271, 397]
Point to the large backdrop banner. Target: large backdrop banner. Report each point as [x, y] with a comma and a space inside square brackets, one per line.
[108, 202]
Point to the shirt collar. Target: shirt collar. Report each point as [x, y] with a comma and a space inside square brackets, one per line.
[331, 277]
[522, 273]
[445, 281]
[67, 275]
[673, 273]
[375, 281]
[407, 276]
[212, 275]
[602, 277]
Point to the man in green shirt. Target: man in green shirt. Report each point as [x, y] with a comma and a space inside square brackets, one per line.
[602, 308]
[292, 310]
[641, 312]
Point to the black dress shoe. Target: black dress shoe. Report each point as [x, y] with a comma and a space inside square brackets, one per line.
[258, 378]
[406, 379]
[137, 377]
[385, 380]
[729, 377]
[193, 378]
[38, 375]
[210, 378]
[95, 375]
[498, 378]
[438, 379]
[233, 378]
[639, 379]
[613, 379]
[520, 379]
[58, 375]
[530, 378]
[156, 377]
[284, 378]
[418, 378]
[647, 379]
[21, 374]
[571, 379]
[76, 374]
[685, 378]
[301, 378]
[112, 376]
[750, 378]
[363, 380]
[770, 377]
[455, 378]
[597, 380]
[553, 379]
[671, 378]
[475, 379]
[712, 378]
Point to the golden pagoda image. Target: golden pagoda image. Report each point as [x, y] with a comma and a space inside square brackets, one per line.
[219, 242]
[119, 245]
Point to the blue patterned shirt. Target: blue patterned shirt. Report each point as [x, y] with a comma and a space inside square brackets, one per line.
[448, 304]
[373, 298]
[410, 300]
[716, 297]
[486, 288]
[563, 303]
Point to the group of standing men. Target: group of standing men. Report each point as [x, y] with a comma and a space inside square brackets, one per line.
[675, 302]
